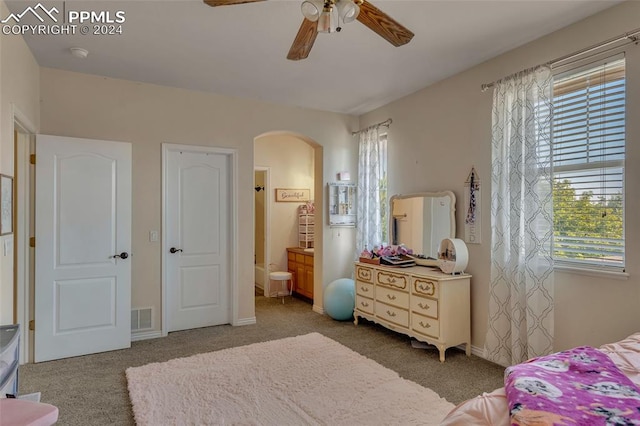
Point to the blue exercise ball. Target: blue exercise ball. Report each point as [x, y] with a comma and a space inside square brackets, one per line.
[340, 299]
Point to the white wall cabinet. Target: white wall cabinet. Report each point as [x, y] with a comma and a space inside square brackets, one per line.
[342, 204]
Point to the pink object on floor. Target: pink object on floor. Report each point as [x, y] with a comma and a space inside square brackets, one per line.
[20, 412]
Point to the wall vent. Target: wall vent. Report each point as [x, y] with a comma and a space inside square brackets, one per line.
[141, 319]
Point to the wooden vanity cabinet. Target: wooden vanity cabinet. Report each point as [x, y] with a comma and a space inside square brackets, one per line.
[300, 264]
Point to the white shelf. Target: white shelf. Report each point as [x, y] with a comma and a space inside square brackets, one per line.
[305, 230]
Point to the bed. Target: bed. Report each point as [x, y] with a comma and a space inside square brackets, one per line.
[493, 408]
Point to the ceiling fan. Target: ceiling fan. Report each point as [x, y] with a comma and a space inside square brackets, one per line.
[325, 16]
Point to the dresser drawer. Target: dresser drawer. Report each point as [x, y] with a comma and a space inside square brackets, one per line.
[364, 274]
[392, 314]
[424, 306]
[364, 289]
[391, 279]
[425, 325]
[392, 297]
[425, 287]
[364, 304]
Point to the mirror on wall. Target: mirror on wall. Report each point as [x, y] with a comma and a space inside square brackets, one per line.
[421, 221]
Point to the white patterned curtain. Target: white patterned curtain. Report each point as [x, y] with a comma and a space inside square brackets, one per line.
[521, 287]
[368, 226]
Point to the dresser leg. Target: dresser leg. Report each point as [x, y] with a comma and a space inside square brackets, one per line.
[355, 319]
[442, 350]
[468, 349]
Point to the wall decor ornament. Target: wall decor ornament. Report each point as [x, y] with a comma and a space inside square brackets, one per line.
[292, 195]
[472, 198]
[6, 205]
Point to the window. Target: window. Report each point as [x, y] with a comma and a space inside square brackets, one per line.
[588, 153]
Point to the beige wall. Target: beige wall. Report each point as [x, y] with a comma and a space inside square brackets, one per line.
[440, 132]
[80, 105]
[19, 91]
[291, 163]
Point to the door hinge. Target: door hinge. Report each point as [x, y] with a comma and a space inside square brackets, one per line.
[32, 241]
[32, 325]
[32, 159]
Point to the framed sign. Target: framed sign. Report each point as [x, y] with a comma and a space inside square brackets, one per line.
[6, 204]
[293, 195]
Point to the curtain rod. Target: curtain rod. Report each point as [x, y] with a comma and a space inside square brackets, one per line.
[385, 123]
[631, 37]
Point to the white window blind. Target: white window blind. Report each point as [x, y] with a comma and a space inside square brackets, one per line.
[588, 153]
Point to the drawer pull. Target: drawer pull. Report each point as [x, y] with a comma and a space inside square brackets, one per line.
[391, 297]
[425, 307]
[427, 325]
[365, 275]
[365, 304]
[391, 314]
[364, 289]
[422, 287]
[391, 280]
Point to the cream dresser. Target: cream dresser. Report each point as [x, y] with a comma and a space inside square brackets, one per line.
[417, 301]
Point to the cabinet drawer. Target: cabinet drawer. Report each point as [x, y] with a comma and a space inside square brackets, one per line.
[425, 325]
[425, 286]
[299, 258]
[390, 279]
[424, 306]
[364, 304]
[308, 260]
[392, 297]
[364, 274]
[392, 314]
[364, 289]
[291, 256]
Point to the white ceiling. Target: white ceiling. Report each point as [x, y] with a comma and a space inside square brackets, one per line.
[241, 50]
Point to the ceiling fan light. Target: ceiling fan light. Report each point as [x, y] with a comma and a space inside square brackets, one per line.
[348, 11]
[311, 9]
[328, 20]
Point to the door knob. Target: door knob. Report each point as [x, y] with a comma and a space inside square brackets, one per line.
[122, 255]
[174, 250]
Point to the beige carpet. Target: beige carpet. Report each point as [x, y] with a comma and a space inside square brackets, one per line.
[302, 380]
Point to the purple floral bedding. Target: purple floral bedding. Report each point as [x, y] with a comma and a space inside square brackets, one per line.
[581, 386]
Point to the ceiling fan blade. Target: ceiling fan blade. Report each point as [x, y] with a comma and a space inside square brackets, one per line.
[384, 25]
[214, 3]
[304, 40]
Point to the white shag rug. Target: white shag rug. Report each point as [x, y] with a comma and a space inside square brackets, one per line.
[303, 380]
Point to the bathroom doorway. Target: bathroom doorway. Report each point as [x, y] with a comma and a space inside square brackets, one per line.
[290, 163]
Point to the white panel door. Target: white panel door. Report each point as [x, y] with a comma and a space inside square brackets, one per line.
[196, 238]
[83, 220]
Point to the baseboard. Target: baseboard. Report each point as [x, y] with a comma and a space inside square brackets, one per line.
[475, 350]
[245, 321]
[479, 352]
[318, 309]
[145, 335]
